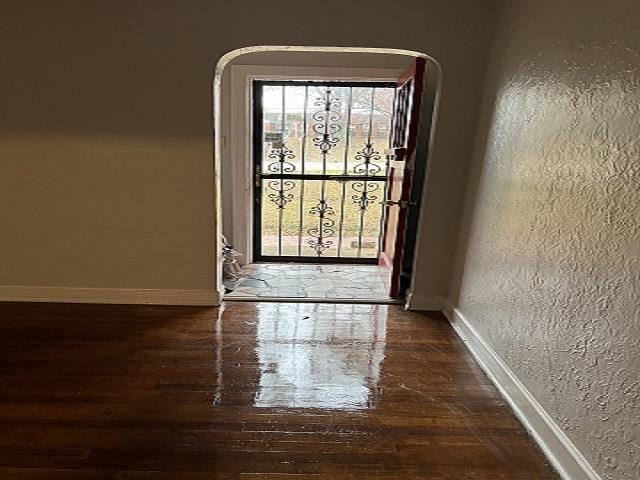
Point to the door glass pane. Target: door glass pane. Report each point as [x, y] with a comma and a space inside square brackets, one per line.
[311, 133]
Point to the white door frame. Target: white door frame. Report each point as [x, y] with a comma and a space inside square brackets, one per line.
[241, 134]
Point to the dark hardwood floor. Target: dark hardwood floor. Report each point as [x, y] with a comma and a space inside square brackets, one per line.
[250, 391]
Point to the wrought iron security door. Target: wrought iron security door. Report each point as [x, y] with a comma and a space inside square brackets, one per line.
[320, 169]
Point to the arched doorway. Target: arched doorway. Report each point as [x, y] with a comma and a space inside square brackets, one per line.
[251, 204]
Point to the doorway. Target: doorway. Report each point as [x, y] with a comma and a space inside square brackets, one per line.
[320, 170]
[320, 184]
[320, 176]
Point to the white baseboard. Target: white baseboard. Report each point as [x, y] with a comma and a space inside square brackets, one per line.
[559, 449]
[133, 296]
[423, 302]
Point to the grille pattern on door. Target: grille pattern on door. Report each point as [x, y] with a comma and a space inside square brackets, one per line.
[320, 169]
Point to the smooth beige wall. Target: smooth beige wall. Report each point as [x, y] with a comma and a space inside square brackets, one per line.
[105, 126]
[549, 263]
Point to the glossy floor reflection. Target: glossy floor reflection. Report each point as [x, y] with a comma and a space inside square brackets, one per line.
[366, 391]
[319, 356]
[251, 391]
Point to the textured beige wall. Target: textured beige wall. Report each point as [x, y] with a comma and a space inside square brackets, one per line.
[549, 263]
[105, 126]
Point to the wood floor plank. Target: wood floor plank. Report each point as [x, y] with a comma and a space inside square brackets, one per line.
[250, 391]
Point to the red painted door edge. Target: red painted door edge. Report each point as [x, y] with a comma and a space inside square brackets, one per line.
[394, 233]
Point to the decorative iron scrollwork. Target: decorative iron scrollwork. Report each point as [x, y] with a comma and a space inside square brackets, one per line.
[317, 201]
[281, 198]
[367, 155]
[326, 128]
[325, 228]
[364, 191]
[281, 155]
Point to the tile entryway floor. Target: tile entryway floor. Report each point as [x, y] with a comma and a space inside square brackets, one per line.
[286, 280]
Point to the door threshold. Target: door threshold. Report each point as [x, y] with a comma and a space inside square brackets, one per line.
[371, 301]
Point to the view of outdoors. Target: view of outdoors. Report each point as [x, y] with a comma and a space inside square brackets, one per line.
[319, 131]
